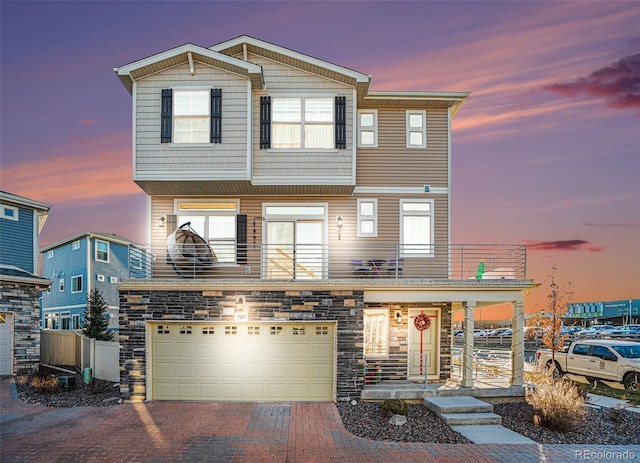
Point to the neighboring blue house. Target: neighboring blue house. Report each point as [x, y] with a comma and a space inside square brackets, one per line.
[21, 220]
[80, 264]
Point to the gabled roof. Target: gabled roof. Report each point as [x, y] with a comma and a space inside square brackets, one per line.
[111, 237]
[451, 100]
[10, 198]
[293, 58]
[187, 53]
[18, 275]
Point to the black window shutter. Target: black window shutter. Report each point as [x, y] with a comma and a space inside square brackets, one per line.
[241, 238]
[166, 115]
[265, 122]
[341, 122]
[216, 115]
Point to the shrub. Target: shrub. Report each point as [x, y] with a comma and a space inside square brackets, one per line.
[45, 384]
[394, 407]
[557, 403]
[616, 413]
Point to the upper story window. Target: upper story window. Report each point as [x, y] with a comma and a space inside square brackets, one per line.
[61, 284]
[302, 123]
[191, 116]
[368, 128]
[416, 129]
[367, 217]
[76, 284]
[416, 228]
[75, 245]
[102, 251]
[215, 222]
[9, 212]
[50, 254]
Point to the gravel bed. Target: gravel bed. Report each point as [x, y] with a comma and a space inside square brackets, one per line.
[366, 419]
[97, 394]
[606, 426]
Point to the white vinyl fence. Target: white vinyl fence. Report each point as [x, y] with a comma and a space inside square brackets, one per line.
[62, 347]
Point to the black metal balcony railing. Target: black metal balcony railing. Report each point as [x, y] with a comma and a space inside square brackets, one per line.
[322, 262]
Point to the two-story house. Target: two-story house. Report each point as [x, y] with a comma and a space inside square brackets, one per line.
[322, 212]
[80, 264]
[21, 220]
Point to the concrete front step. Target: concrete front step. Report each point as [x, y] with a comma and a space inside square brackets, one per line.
[464, 404]
[462, 411]
[467, 419]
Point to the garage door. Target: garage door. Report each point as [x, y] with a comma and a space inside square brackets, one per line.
[6, 343]
[251, 361]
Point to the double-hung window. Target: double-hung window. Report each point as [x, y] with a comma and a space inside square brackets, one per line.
[302, 123]
[215, 221]
[367, 128]
[102, 251]
[416, 129]
[76, 284]
[367, 217]
[191, 116]
[416, 228]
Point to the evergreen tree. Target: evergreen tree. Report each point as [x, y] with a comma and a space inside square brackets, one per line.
[95, 320]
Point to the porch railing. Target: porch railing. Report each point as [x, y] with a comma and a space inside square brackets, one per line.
[321, 262]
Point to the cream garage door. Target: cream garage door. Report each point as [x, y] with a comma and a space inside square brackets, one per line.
[6, 343]
[250, 361]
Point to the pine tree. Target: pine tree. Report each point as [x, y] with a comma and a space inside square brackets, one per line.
[95, 320]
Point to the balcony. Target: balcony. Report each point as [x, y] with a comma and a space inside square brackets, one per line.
[379, 263]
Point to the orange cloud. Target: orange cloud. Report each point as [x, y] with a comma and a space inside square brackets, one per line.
[563, 245]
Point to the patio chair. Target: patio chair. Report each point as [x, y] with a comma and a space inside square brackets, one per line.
[395, 265]
[360, 269]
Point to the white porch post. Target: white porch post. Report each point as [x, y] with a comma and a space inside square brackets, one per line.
[467, 348]
[517, 344]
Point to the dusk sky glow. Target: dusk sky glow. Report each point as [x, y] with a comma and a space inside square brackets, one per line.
[545, 152]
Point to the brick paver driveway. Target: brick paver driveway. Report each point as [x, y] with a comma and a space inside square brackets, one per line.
[230, 432]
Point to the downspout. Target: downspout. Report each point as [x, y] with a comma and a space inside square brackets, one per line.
[449, 186]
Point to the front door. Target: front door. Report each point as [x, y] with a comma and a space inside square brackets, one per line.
[423, 344]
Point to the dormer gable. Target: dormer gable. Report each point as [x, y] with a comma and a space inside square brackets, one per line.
[187, 53]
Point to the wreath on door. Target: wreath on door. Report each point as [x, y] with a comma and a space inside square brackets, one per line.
[422, 322]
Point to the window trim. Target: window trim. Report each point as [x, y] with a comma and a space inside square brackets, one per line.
[16, 212]
[428, 253]
[361, 129]
[422, 129]
[75, 245]
[108, 251]
[176, 118]
[80, 279]
[303, 122]
[206, 213]
[50, 254]
[361, 218]
[386, 341]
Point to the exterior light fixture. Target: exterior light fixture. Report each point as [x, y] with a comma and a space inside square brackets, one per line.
[339, 223]
[161, 221]
[398, 318]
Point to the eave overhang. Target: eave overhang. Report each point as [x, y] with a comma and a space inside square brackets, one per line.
[425, 100]
[187, 53]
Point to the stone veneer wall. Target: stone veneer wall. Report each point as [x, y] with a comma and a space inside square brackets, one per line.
[140, 306]
[21, 299]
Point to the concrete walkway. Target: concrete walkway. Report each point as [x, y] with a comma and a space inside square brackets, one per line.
[236, 432]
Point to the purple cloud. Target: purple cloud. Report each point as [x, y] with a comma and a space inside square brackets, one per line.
[612, 225]
[563, 245]
[618, 84]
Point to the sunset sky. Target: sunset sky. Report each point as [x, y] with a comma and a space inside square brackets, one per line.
[546, 150]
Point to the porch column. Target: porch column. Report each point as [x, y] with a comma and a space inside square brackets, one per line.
[517, 344]
[467, 348]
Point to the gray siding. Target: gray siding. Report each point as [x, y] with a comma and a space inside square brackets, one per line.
[170, 161]
[393, 164]
[294, 166]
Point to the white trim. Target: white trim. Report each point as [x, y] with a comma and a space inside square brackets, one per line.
[359, 128]
[75, 245]
[96, 251]
[81, 284]
[100, 278]
[16, 216]
[430, 214]
[249, 168]
[299, 180]
[148, 224]
[360, 218]
[359, 77]
[354, 135]
[64, 307]
[113, 280]
[422, 129]
[449, 173]
[89, 266]
[437, 190]
[134, 133]
[390, 95]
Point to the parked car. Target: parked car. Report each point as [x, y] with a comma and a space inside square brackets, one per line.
[609, 359]
[595, 331]
[625, 330]
[496, 331]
